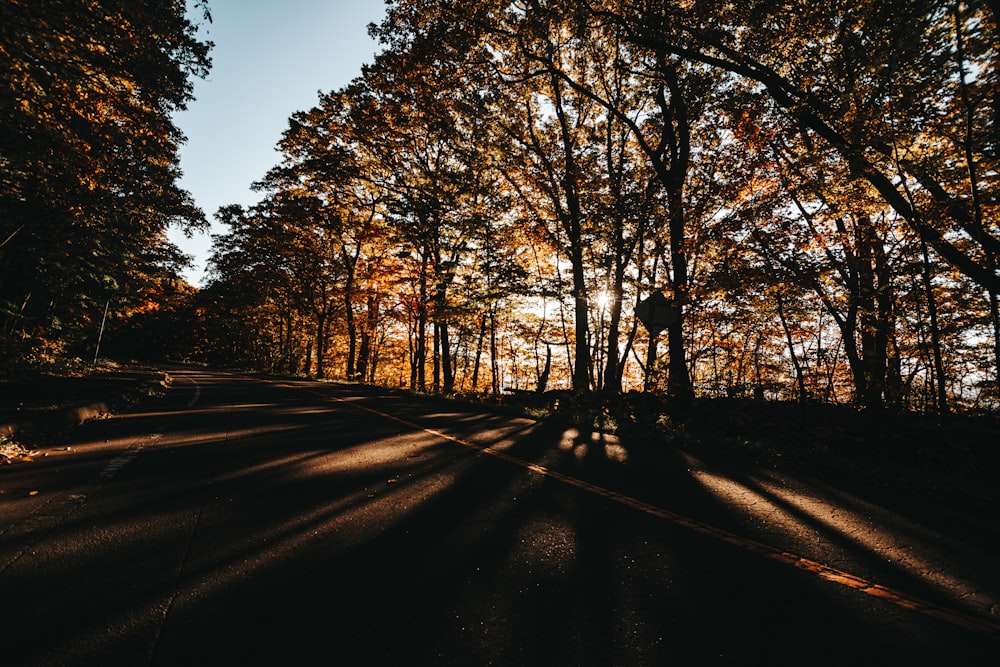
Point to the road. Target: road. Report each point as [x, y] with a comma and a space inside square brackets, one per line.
[246, 520]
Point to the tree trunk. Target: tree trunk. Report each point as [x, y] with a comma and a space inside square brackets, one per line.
[447, 364]
[678, 380]
[413, 321]
[494, 371]
[480, 339]
[799, 375]
[352, 336]
[320, 345]
[612, 372]
[421, 352]
[543, 378]
[581, 314]
[436, 357]
[649, 379]
[572, 221]
[935, 333]
[874, 294]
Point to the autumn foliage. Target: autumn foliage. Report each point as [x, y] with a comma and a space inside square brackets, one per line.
[88, 165]
[812, 187]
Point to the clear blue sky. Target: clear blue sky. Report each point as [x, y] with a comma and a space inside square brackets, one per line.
[271, 57]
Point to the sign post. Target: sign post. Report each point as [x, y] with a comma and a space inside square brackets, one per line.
[100, 335]
[656, 313]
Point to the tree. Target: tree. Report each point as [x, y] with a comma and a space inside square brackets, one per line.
[902, 92]
[813, 187]
[416, 119]
[323, 192]
[89, 153]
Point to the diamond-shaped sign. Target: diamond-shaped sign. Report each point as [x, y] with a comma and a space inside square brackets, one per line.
[656, 313]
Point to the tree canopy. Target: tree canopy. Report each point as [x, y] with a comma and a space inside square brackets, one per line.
[811, 187]
[88, 161]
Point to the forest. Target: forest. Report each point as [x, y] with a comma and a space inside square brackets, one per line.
[810, 191]
[89, 168]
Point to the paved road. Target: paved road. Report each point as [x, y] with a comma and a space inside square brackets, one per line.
[242, 520]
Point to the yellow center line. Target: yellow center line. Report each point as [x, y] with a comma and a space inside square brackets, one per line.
[826, 572]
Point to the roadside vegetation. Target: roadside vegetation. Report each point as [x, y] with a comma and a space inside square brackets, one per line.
[811, 190]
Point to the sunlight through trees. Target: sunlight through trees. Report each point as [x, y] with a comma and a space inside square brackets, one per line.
[812, 187]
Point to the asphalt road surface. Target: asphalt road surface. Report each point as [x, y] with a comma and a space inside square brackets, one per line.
[243, 520]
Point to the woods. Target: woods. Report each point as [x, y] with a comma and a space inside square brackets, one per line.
[89, 166]
[812, 187]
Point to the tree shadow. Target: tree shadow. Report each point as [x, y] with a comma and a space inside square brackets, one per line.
[302, 527]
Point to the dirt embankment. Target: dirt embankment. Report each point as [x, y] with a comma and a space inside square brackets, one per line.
[36, 410]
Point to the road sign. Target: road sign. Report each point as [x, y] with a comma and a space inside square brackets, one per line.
[656, 313]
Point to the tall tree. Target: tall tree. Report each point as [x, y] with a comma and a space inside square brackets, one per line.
[902, 92]
[89, 151]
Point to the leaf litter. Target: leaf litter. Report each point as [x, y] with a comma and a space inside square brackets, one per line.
[13, 452]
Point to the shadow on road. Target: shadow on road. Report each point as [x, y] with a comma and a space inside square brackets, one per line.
[265, 522]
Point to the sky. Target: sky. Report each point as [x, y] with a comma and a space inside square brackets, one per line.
[271, 59]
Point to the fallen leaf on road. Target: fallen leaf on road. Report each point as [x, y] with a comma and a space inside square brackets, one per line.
[11, 451]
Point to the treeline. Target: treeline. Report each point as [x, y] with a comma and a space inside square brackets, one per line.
[89, 166]
[812, 186]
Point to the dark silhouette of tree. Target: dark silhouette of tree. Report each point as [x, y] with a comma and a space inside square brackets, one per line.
[88, 183]
[812, 186]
